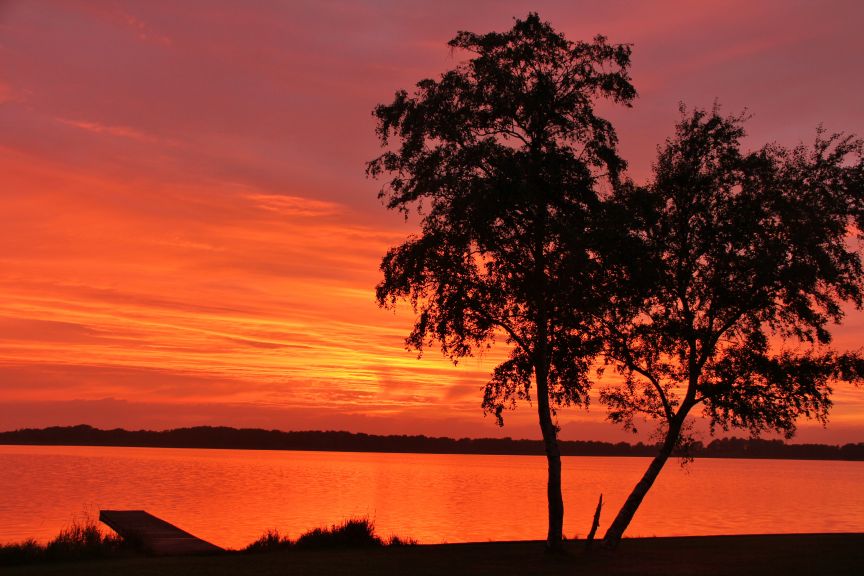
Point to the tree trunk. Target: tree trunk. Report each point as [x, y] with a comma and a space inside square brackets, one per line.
[554, 536]
[628, 510]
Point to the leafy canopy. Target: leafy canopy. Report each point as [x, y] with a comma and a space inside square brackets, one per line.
[746, 259]
[502, 157]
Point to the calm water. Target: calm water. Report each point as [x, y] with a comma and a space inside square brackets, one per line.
[230, 496]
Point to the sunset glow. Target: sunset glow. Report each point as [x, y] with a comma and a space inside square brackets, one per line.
[188, 236]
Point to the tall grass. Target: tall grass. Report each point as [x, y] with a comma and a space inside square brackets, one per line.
[85, 540]
[270, 541]
[82, 540]
[351, 533]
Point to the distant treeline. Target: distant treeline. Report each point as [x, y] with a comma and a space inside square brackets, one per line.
[257, 439]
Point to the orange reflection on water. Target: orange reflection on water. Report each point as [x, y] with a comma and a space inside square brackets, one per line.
[230, 496]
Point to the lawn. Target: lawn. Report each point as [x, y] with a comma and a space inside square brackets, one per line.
[789, 555]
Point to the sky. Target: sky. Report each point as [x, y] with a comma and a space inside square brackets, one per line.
[188, 237]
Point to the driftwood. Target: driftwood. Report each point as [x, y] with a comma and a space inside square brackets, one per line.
[595, 524]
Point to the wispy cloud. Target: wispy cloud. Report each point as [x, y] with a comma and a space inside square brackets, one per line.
[295, 205]
[186, 225]
[122, 16]
[116, 131]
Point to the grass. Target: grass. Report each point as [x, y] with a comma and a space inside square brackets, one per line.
[789, 555]
[351, 533]
[270, 541]
[82, 540]
[353, 548]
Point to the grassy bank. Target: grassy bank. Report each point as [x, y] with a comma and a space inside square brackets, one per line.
[83, 540]
[86, 540]
[351, 533]
[807, 554]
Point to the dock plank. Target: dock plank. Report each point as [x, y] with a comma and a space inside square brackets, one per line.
[154, 535]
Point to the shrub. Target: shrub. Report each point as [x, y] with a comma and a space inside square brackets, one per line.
[83, 539]
[352, 533]
[397, 541]
[270, 541]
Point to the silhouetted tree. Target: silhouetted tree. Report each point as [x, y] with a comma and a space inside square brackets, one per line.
[502, 157]
[745, 262]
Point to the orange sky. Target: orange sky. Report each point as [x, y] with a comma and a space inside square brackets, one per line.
[188, 236]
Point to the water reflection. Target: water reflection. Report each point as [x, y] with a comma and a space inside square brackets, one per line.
[230, 496]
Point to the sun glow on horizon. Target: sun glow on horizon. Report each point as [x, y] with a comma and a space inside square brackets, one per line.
[188, 236]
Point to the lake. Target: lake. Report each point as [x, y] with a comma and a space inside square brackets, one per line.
[230, 497]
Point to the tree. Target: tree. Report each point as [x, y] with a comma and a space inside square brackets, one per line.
[502, 158]
[745, 260]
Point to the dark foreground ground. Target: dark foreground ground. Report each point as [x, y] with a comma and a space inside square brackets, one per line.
[805, 554]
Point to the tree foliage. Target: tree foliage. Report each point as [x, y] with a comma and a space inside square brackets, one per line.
[745, 262]
[502, 157]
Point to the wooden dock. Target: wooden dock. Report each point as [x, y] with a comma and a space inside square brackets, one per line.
[154, 535]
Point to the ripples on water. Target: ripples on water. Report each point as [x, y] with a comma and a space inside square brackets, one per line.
[231, 496]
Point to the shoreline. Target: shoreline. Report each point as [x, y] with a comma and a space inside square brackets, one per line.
[787, 554]
[408, 452]
[228, 438]
[344, 450]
